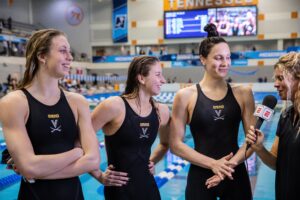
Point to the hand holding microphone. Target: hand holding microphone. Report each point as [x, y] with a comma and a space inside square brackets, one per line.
[255, 138]
[262, 112]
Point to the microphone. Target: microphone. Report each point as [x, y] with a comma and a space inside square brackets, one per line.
[264, 112]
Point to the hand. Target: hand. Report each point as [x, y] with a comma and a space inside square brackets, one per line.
[151, 167]
[213, 181]
[255, 138]
[113, 178]
[224, 166]
[12, 165]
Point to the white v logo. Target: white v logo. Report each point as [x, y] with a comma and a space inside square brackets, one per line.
[55, 128]
[54, 122]
[218, 112]
[144, 135]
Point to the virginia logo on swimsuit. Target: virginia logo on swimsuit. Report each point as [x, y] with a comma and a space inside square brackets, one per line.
[54, 121]
[218, 110]
[144, 127]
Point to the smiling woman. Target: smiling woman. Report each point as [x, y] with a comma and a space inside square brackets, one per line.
[42, 123]
[48, 52]
[130, 124]
[213, 110]
[284, 155]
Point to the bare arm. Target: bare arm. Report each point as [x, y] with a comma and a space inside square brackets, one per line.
[269, 157]
[14, 106]
[164, 130]
[91, 159]
[245, 97]
[247, 107]
[178, 147]
[256, 141]
[106, 113]
[103, 114]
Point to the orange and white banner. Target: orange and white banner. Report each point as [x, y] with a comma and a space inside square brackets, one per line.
[201, 4]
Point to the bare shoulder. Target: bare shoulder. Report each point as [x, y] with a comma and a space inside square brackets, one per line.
[110, 111]
[111, 105]
[185, 97]
[241, 87]
[75, 98]
[114, 102]
[243, 94]
[186, 92]
[14, 102]
[241, 90]
[14, 98]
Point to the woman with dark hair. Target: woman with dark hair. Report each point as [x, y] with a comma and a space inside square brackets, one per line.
[41, 124]
[284, 154]
[213, 109]
[130, 123]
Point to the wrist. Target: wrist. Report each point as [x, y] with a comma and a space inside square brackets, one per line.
[98, 174]
[259, 148]
[211, 164]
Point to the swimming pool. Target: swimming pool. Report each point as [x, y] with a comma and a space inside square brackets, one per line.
[262, 178]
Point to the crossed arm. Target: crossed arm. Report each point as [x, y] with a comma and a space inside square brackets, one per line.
[14, 113]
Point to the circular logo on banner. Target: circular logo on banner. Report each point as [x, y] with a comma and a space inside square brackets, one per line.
[74, 15]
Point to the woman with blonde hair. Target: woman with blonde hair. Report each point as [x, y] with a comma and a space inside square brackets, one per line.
[284, 154]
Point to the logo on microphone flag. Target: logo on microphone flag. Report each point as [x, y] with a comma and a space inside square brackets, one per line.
[264, 112]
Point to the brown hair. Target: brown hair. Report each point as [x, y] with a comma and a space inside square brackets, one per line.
[39, 43]
[140, 65]
[212, 39]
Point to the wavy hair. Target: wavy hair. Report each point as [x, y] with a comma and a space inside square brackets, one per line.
[290, 64]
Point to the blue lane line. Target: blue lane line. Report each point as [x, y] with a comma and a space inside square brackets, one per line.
[9, 180]
[2, 145]
[166, 175]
